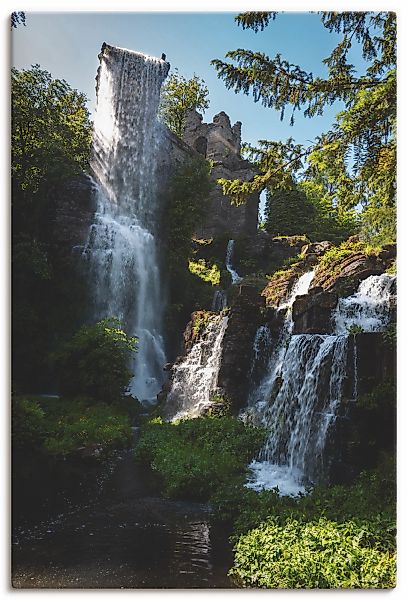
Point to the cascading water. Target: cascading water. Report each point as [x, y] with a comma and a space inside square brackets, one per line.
[228, 263]
[369, 308]
[122, 247]
[298, 400]
[194, 378]
[261, 392]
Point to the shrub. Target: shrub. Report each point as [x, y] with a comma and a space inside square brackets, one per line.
[61, 427]
[95, 363]
[87, 427]
[193, 458]
[317, 554]
[28, 424]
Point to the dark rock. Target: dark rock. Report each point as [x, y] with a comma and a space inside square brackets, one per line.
[312, 313]
[316, 249]
[262, 252]
[365, 426]
[75, 206]
[243, 321]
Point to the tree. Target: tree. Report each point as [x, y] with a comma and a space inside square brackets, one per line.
[95, 363]
[50, 137]
[51, 129]
[358, 155]
[289, 212]
[180, 95]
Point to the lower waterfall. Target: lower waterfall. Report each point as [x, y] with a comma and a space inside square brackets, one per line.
[194, 377]
[298, 399]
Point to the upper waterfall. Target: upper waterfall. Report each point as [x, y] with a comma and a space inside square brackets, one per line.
[122, 244]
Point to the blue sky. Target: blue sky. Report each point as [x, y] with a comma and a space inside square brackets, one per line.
[67, 45]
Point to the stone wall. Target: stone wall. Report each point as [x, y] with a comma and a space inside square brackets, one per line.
[221, 143]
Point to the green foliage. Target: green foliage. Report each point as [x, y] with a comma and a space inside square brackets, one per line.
[200, 322]
[336, 254]
[95, 363]
[28, 424]
[316, 554]
[357, 157]
[179, 95]
[354, 329]
[51, 130]
[289, 213]
[186, 205]
[209, 274]
[60, 427]
[50, 138]
[390, 334]
[392, 269]
[193, 458]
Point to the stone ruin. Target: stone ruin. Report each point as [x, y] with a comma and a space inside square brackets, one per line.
[221, 143]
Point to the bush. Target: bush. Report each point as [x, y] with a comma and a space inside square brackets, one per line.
[193, 458]
[29, 427]
[95, 363]
[60, 427]
[317, 554]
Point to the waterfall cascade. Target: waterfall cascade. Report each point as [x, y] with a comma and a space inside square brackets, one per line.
[259, 393]
[194, 378]
[228, 263]
[298, 399]
[122, 247]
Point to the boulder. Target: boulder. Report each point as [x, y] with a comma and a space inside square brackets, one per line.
[312, 312]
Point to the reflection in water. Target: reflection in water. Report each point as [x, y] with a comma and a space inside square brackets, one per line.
[126, 539]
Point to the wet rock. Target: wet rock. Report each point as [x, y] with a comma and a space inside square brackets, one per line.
[243, 321]
[312, 312]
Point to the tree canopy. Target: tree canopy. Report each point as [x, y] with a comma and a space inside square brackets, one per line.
[51, 129]
[357, 156]
[180, 95]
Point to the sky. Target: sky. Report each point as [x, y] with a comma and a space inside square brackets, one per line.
[67, 45]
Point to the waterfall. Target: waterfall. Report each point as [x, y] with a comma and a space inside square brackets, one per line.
[122, 244]
[194, 378]
[228, 263]
[299, 397]
[261, 392]
[369, 308]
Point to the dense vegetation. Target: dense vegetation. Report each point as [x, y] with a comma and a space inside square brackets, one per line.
[50, 144]
[59, 427]
[193, 458]
[342, 185]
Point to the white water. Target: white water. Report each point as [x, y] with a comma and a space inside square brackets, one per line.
[263, 391]
[228, 263]
[369, 308]
[122, 246]
[194, 378]
[298, 401]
